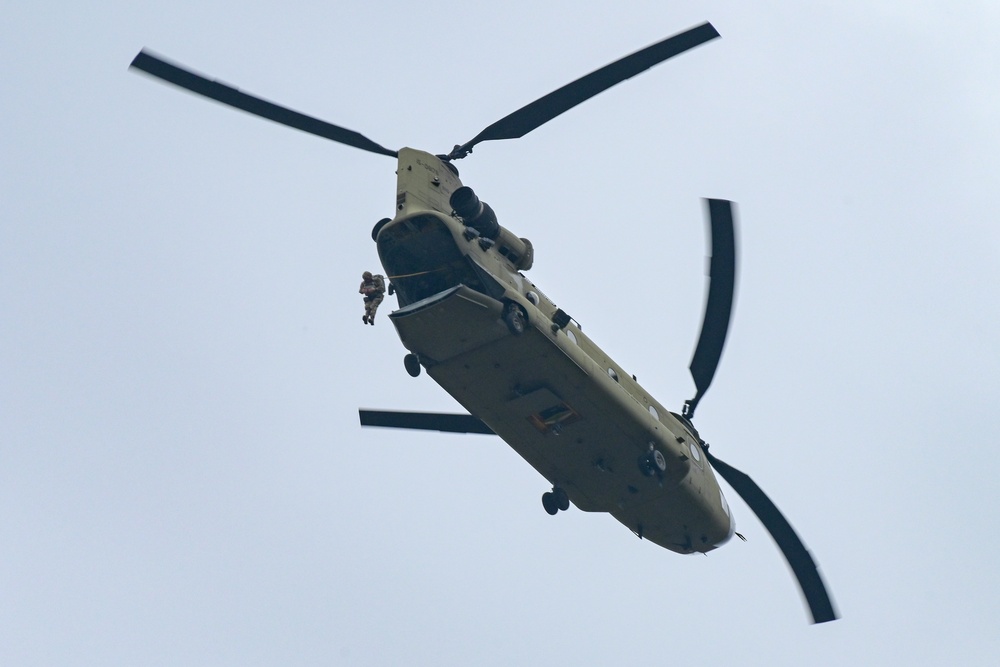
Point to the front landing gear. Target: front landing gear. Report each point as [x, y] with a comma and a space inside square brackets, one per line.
[516, 318]
[555, 500]
[652, 463]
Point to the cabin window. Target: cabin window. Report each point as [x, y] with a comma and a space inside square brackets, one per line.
[613, 374]
[695, 453]
[571, 336]
[652, 411]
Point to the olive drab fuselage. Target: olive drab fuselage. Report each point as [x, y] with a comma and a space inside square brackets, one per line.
[521, 367]
[555, 397]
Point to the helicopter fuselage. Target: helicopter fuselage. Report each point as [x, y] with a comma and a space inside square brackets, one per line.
[545, 388]
[522, 367]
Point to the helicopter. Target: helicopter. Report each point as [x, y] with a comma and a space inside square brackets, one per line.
[520, 366]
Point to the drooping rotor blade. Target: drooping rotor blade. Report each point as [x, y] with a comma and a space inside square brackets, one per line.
[220, 92]
[546, 108]
[425, 421]
[795, 552]
[719, 304]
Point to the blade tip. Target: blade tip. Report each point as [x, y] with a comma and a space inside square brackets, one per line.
[143, 59]
[138, 57]
[826, 618]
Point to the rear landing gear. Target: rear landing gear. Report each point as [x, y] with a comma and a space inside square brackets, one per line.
[412, 364]
[549, 503]
[555, 500]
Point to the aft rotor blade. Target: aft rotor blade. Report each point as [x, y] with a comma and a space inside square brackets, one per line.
[546, 108]
[220, 92]
[425, 421]
[719, 304]
[795, 552]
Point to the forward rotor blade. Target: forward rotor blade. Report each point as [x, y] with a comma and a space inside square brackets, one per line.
[425, 421]
[795, 552]
[719, 304]
[546, 108]
[220, 92]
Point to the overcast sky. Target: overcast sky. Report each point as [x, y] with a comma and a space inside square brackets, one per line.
[183, 480]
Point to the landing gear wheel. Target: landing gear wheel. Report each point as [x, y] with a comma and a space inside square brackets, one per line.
[550, 503]
[515, 318]
[412, 364]
[562, 500]
[652, 463]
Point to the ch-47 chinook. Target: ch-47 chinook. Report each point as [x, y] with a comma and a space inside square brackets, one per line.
[521, 367]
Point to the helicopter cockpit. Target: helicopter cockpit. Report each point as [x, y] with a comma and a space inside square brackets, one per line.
[427, 252]
[423, 259]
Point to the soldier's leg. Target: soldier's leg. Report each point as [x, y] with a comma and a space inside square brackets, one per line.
[373, 307]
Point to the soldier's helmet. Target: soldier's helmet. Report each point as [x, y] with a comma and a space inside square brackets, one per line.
[367, 275]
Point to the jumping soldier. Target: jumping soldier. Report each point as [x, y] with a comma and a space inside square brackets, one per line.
[373, 288]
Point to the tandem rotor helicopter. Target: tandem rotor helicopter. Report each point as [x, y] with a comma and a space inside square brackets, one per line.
[521, 367]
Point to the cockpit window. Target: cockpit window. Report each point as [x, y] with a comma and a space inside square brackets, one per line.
[422, 259]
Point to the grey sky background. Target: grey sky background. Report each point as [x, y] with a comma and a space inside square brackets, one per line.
[182, 475]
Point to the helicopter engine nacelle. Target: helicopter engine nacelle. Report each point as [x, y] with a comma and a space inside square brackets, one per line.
[519, 251]
[480, 216]
[475, 213]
